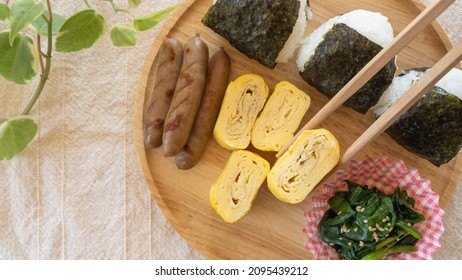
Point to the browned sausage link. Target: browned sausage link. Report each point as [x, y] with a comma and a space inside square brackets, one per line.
[217, 81]
[187, 96]
[170, 57]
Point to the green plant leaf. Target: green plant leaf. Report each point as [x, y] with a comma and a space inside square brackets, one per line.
[19, 62]
[123, 35]
[134, 3]
[80, 31]
[23, 13]
[41, 24]
[4, 11]
[15, 136]
[147, 22]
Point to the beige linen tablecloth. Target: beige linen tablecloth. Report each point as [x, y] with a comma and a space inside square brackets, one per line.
[78, 192]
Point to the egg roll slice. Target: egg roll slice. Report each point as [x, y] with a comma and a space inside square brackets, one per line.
[236, 188]
[243, 101]
[311, 157]
[280, 118]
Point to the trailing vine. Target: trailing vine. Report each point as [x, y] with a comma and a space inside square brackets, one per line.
[22, 57]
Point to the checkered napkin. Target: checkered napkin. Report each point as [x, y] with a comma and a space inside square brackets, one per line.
[386, 175]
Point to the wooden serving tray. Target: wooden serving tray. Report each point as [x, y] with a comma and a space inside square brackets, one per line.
[273, 229]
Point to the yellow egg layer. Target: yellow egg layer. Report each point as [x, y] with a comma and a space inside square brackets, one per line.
[243, 101]
[237, 186]
[280, 118]
[311, 157]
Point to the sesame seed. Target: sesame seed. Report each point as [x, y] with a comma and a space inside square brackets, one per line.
[376, 238]
[331, 244]
[365, 221]
[339, 212]
[349, 243]
[358, 208]
[361, 244]
[409, 224]
[377, 225]
[387, 217]
[384, 220]
[389, 224]
[355, 229]
[340, 238]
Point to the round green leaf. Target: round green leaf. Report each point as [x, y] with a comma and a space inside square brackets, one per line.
[134, 3]
[80, 31]
[23, 13]
[149, 21]
[18, 62]
[41, 24]
[123, 35]
[4, 11]
[15, 136]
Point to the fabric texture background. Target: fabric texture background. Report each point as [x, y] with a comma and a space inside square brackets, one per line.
[78, 192]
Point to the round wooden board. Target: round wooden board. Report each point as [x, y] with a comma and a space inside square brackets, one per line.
[272, 229]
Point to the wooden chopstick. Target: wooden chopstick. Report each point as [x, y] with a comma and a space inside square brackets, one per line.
[451, 59]
[374, 66]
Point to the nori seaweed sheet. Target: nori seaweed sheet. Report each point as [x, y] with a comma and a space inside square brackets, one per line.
[432, 127]
[257, 28]
[338, 58]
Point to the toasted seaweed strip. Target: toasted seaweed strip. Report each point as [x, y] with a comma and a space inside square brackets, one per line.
[257, 28]
[432, 127]
[338, 58]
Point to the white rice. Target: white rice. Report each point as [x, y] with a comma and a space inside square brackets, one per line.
[293, 43]
[451, 82]
[371, 25]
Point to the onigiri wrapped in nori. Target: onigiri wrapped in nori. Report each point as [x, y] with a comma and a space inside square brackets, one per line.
[268, 31]
[432, 127]
[336, 51]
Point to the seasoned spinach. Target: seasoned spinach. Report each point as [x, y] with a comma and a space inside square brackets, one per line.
[365, 223]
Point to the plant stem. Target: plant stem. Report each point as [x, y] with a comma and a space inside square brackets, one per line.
[384, 252]
[117, 9]
[46, 72]
[39, 49]
[87, 4]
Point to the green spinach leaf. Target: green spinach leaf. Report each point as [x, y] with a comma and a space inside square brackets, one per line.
[365, 223]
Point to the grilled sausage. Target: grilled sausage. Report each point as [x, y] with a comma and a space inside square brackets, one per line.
[217, 81]
[187, 96]
[168, 69]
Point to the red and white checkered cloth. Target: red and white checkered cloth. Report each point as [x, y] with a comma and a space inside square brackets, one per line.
[386, 175]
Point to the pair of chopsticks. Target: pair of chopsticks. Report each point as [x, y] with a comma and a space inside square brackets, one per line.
[378, 62]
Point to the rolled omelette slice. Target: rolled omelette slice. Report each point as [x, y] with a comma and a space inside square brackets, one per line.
[311, 157]
[237, 186]
[243, 101]
[280, 118]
